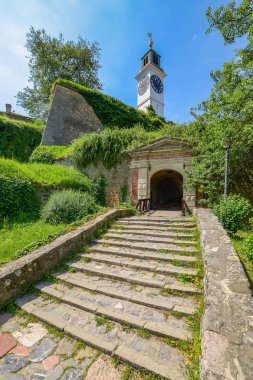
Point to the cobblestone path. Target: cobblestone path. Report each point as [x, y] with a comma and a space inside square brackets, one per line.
[129, 296]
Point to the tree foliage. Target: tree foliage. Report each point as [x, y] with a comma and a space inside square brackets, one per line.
[231, 21]
[226, 117]
[52, 58]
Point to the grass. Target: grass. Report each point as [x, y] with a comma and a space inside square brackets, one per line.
[46, 174]
[143, 333]
[186, 278]
[238, 241]
[101, 320]
[18, 239]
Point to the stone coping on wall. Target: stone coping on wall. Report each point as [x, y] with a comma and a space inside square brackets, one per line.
[17, 275]
[227, 323]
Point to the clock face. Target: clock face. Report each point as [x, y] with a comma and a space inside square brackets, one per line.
[143, 85]
[156, 84]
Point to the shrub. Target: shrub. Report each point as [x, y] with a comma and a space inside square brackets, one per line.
[123, 192]
[17, 196]
[98, 189]
[18, 138]
[48, 154]
[232, 213]
[41, 157]
[66, 206]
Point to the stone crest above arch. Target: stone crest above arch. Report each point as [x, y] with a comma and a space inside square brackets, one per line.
[162, 154]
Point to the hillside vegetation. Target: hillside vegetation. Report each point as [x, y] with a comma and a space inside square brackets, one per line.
[107, 146]
[19, 138]
[112, 112]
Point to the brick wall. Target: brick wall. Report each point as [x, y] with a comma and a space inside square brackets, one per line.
[134, 184]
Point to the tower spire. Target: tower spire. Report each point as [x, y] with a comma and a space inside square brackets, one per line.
[150, 40]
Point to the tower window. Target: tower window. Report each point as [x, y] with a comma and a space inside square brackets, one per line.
[145, 60]
[155, 59]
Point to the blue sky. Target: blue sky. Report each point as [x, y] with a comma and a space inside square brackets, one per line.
[120, 27]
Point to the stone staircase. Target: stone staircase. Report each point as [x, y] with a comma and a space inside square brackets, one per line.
[129, 295]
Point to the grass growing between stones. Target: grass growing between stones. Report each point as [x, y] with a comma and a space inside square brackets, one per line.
[143, 333]
[171, 251]
[186, 278]
[101, 320]
[191, 349]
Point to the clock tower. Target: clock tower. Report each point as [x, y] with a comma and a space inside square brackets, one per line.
[150, 81]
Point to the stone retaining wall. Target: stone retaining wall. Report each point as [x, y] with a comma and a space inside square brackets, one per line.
[227, 324]
[17, 275]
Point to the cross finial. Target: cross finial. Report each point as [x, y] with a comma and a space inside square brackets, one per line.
[150, 40]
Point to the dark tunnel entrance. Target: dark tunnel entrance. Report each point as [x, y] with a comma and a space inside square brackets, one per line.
[166, 190]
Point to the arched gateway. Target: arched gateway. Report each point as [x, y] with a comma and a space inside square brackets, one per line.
[158, 173]
[166, 190]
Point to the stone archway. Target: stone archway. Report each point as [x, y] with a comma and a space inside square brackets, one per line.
[166, 190]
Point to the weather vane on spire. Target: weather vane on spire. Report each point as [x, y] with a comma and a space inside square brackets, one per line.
[150, 40]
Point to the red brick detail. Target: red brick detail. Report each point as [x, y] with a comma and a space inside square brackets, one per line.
[134, 184]
[7, 342]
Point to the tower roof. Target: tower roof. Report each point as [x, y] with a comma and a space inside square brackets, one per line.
[153, 51]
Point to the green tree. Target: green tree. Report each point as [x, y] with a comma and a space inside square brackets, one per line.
[52, 58]
[227, 115]
[231, 21]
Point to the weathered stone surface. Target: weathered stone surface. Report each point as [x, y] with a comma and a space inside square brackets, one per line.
[141, 254]
[31, 334]
[7, 342]
[12, 363]
[50, 362]
[169, 247]
[42, 350]
[66, 347]
[4, 317]
[73, 374]
[102, 369]
[32, 266]
[11, 376]
[20, 350]
[127, 312]
[227, 328]
[69, 116]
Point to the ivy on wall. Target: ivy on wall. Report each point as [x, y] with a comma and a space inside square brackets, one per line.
[112, 112]
[18, 138]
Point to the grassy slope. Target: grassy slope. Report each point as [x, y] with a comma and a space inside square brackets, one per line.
[19, 138]
[239, 245]
[46, 174]
[26, 235]
[18, 236]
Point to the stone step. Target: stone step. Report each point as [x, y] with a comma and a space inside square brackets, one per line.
[148, 265]
[154, 233]
[150, 246]
[162, 359]
[159, 219]
[122, 235]
[134, 277]
[156, 322]
[138, 294]
[135, 253]
[149, 223]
